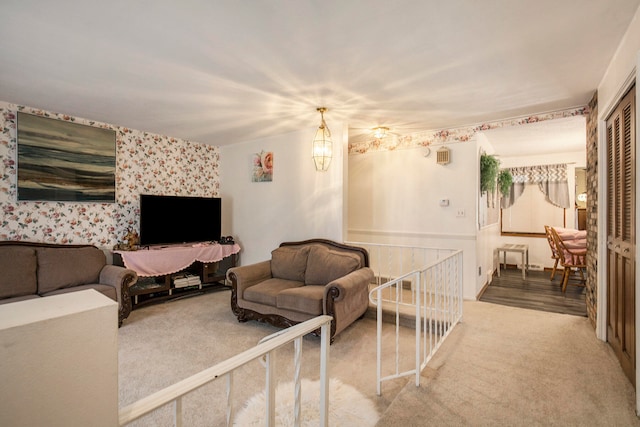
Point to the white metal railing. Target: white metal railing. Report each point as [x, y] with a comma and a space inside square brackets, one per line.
[266, 348]
[431, 292]
[391, 261]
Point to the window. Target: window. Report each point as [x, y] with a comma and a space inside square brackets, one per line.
[530, 213]
[539, 196]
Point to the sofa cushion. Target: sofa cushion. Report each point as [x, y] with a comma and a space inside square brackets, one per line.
[305, 299]
[18, 266]
[326, 265]
[267, 291]
[289, 263]
[65, 267]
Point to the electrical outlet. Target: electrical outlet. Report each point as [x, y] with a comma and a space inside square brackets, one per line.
[460, 213]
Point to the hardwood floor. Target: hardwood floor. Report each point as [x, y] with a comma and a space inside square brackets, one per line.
[537, 292]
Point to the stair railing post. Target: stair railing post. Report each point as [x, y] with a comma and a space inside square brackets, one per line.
[325, 333]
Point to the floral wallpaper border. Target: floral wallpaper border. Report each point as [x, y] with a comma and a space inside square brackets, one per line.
[145, 163]
[461, 134]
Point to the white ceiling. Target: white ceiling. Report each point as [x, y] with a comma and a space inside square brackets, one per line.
[547, 137]
[227, 71]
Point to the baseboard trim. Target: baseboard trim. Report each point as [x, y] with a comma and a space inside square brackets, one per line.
[484, 288]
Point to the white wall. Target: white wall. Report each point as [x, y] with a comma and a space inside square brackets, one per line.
[393, 197]
[487, 236]
[300, 203]
[620, 68]
[59, 361]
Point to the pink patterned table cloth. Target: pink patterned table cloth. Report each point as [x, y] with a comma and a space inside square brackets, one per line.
[171, 259]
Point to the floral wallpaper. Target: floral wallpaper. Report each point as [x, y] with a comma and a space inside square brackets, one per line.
[462, 134]
[145, 163]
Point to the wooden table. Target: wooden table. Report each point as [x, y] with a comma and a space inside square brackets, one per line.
[523, 250]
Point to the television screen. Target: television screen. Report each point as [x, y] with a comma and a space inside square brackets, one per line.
[168, 220]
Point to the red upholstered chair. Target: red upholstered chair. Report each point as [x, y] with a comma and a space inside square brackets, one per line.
[573, 257]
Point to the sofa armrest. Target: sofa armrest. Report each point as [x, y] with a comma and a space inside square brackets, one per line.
[243, 277]
[248, 275]
[346, 299]
[122, 279]
[352, 282]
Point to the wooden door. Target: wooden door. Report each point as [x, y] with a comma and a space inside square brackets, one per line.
[621, 233]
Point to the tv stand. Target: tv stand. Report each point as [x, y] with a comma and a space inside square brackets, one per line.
[157, 267]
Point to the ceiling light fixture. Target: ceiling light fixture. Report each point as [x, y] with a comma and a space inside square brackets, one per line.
[380, 132]
[322, 148]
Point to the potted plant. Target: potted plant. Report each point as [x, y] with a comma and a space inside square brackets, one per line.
[489, 166]
[504, 182]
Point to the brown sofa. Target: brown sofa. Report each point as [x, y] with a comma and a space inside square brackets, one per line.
[33, 270]
[301, 281]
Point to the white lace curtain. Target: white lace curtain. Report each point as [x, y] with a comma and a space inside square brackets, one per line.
[551, 179]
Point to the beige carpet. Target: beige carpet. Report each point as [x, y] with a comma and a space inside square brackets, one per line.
[501, 366]
[348, 406]
[514, 367]
[165, 343]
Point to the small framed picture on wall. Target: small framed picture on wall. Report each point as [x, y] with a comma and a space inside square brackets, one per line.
[262, 166]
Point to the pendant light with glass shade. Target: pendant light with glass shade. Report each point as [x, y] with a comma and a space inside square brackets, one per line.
[322, 148]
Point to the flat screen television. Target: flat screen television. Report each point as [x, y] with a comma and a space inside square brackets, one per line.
[166, 220]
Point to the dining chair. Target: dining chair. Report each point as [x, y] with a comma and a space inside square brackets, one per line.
[555, 255]
[573, 257]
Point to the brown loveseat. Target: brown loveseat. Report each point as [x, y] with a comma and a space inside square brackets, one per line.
[33, 270]
[301, 281]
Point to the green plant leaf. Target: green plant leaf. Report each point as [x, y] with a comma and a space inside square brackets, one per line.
[489, 166]
[504, 182]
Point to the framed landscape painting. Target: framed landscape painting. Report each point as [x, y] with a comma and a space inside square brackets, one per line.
[65, 161]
